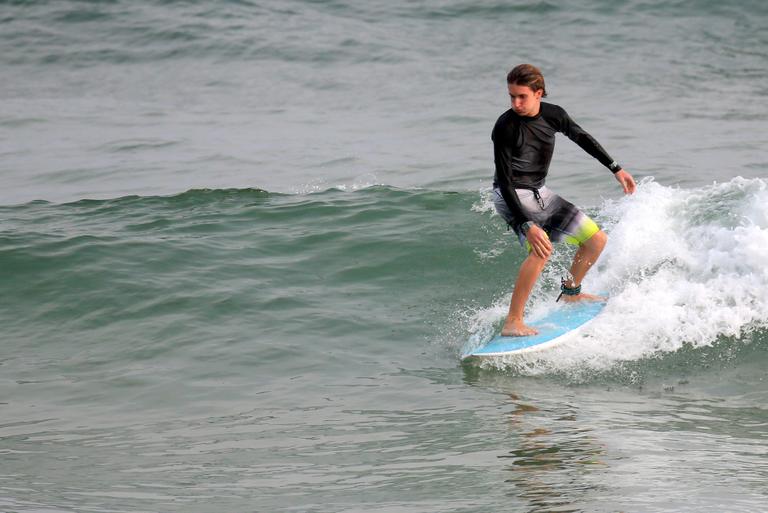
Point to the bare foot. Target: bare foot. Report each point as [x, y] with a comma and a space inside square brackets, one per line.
[582, 297]
[517, 329]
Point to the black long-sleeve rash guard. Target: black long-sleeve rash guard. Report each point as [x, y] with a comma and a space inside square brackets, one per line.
[523, 147]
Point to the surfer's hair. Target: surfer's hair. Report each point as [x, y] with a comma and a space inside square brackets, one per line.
[527, 75]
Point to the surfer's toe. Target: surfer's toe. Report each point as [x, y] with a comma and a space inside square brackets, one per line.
[518, 331]
[583, 297]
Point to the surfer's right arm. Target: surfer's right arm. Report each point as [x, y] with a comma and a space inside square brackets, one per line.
[541, 246]
[536, 236]
[501, 177]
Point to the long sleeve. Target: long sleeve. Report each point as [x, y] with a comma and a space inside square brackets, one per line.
[508, 192]
[585, 141]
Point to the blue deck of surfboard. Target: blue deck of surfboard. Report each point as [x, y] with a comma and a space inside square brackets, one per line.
[561, 320]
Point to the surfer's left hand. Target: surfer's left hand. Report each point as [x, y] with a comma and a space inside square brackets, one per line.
[626, 181]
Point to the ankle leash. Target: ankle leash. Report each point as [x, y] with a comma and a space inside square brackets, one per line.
[568, 291]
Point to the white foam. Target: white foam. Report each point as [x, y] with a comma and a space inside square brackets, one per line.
[682, 267]
[321, 185]
[485, 204]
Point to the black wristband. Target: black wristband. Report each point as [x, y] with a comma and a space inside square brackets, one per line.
[614, 166]
[526, 226]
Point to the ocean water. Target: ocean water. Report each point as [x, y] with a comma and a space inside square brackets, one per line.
[243, 244]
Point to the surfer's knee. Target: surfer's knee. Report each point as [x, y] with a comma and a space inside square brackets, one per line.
[597, 241]
[537, 260]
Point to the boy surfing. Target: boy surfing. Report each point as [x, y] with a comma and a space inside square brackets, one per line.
[523, 143]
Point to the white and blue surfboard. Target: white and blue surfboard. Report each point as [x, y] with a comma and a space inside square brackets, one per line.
[561, 323]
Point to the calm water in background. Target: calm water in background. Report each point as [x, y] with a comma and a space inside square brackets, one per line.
[242, 245]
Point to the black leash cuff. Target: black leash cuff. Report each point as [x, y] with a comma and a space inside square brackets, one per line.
[568, 291]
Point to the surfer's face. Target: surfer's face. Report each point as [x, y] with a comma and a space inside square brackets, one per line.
[525, 101]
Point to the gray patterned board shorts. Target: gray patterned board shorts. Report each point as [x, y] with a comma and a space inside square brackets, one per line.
[561, 219]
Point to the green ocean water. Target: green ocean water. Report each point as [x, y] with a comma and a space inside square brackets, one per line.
[246, 350]
[243, 245]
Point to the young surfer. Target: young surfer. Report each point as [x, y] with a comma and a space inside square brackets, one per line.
[523, 143]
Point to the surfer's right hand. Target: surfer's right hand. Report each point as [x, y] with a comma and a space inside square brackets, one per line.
[539, 241]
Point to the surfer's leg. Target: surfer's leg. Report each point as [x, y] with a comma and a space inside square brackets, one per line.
[526, 279]
[587, 254]
[569, 224]
[529, 270]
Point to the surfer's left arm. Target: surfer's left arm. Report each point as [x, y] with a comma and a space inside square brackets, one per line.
[626, 181]
[589, 144]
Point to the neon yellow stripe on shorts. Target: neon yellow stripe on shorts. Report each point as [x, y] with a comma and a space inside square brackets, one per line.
[584, 232]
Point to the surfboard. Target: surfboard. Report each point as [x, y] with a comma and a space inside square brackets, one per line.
[558, 325]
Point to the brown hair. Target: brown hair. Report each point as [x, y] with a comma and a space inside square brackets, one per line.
[527, 75]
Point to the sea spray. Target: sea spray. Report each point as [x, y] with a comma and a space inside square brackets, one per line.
[683, 268]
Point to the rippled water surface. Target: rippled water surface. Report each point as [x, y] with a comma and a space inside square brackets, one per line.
[243, 244]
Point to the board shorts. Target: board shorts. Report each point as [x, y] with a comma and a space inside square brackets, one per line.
[561, 219]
